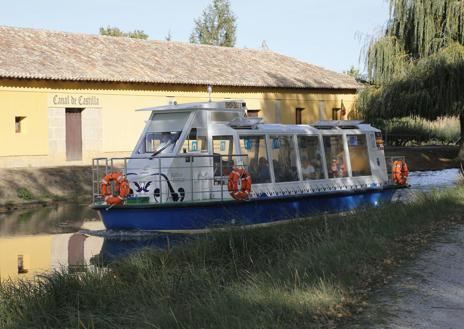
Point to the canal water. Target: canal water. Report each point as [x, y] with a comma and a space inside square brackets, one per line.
[34, 241]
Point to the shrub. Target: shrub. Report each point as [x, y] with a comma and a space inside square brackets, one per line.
[24, 193]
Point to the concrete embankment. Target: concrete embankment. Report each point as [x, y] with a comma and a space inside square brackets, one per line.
[429, 157]
[27, 187]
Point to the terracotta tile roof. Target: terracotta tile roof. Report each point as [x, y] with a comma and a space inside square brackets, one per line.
[40, 54]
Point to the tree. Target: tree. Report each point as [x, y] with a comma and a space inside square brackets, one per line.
[355, 73]
[216, 26]
[116, 32]
[417, 66]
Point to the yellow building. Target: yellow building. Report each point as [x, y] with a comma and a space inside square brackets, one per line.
[65, 98]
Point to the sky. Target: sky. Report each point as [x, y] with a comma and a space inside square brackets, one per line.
[328, 33]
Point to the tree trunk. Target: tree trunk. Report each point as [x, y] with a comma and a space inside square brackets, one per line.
[461, 149]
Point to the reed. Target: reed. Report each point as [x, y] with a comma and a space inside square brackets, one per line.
[302, 274]
[417, 131]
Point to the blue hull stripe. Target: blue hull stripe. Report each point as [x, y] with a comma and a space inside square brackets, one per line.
[216, 215]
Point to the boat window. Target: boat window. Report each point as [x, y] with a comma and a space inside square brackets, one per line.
[195, 142]
[160, 122]
[359, 156]
[335, 156]
[310, 157]
[223, 149]
[253, 113]
[160, 143]
[284, 159]
[162, 133]
[256, 160]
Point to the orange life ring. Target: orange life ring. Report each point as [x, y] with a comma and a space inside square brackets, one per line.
[400, 172]
[245, 180]
[121, 185]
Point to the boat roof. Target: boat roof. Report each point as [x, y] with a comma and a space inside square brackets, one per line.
[255, 124]
[337, 123]
[295, 129]
[226, 105]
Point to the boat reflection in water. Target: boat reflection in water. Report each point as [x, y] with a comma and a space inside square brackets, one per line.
[36, 241]
[118, 246]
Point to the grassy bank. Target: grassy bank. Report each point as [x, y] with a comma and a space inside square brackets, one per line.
[417, 131]
[306, 274]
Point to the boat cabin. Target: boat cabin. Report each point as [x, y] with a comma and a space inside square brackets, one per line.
[186, 153]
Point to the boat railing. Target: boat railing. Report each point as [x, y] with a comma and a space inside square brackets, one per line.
[187, 177]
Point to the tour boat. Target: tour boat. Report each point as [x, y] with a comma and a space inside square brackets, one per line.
[202, 166]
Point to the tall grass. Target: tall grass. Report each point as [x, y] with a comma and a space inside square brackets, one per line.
[298, 275]
[417, 131]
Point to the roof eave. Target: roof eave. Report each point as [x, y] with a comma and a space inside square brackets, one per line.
[174, 82]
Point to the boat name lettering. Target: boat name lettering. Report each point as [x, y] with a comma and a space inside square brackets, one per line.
[233, 105]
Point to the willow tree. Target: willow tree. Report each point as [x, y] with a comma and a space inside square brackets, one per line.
[417, 66]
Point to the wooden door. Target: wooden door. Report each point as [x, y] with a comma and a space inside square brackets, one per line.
[299, 116]
[335, 112]
[73, 134]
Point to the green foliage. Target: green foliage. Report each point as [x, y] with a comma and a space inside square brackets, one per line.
[426, 26]
[355, 73]
[431, 88]
[116, 32]
[299, 275]
[417, 131]
[416, 29]
[417, 66]
[216, 26]
[386, 60]
[24, 193]
[137, 34]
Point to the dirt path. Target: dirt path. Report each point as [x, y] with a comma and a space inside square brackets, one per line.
[429, 293]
